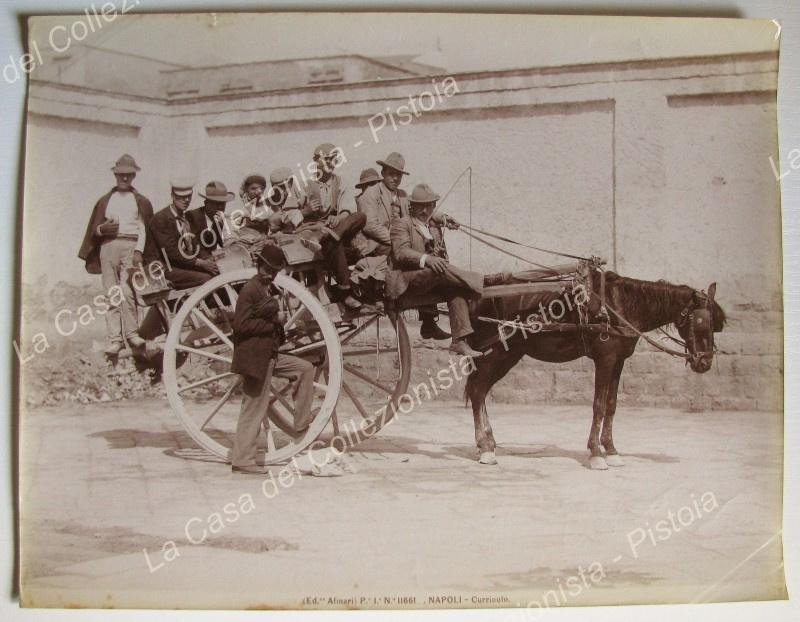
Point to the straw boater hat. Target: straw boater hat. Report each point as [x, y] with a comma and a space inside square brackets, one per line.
[125, 164]
[216, 191]
[422, 193]
[181, 187]
[396, 161]
[368, 177]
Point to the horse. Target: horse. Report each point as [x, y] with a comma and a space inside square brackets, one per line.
[642, 305]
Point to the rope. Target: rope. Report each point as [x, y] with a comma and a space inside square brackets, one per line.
[510, 241]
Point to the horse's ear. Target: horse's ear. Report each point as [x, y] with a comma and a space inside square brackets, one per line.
[712, 290]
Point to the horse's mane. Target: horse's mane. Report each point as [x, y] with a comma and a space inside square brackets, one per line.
[641, 298]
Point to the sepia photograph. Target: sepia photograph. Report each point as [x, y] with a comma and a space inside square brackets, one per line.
[367, 311]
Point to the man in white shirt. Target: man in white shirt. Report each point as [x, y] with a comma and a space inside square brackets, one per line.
[113, 245]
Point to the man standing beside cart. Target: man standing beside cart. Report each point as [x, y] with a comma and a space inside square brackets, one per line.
[257, 334]
[114, 244]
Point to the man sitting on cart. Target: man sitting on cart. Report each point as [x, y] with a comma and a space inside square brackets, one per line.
[257, 334]
[297, 212]
[418, 265]
[170, 241]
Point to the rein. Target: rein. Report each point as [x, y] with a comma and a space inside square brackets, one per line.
[510, 241]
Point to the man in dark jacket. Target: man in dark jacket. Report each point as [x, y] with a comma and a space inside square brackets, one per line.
[257, 334]
[113, 245]
[171, 241]
[207, 223]
[418, 265]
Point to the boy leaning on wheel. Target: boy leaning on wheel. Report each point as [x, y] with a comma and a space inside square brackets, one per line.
[257, 334]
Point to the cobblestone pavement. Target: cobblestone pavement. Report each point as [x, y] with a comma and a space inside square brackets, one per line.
[120, 510]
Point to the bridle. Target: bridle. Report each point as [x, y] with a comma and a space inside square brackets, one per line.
[697, 314]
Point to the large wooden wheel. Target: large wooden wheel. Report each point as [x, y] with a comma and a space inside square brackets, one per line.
[376, 355]
[206, 395]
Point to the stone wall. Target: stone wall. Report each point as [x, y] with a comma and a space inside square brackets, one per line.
[662, 167]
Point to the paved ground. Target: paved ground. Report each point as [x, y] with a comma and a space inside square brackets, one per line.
[692, 516]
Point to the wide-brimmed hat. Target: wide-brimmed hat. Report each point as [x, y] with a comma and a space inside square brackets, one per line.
[125, 164]
[216, 191]
[181, 188]
[423, 193]
[368, 176]
[396, 161]
[280, 175]
[272, 256]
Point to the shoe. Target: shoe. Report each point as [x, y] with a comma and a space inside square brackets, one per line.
[430, 330]
[500, 278]
[351, 303]
[135, 341]
[114, 348]
[462, 347]
[311, 245]
[253, 469]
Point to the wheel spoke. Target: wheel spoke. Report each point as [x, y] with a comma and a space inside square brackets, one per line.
[357, 402]
[213, 327]
[301, 310]
[200, 383]
[211, 355]
[367, 379]
[367, 351]
[221, 402]
[356, 331]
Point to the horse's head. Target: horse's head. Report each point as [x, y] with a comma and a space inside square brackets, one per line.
[698, 321]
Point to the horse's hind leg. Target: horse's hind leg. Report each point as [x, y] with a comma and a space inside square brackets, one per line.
[607, 436]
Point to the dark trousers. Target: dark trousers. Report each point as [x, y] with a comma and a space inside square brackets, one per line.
[336, 251]
[452, 289]
[181, 278]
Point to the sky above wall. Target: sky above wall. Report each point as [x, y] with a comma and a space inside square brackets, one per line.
[456, 42]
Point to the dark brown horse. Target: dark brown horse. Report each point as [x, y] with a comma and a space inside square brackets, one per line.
[646, 305]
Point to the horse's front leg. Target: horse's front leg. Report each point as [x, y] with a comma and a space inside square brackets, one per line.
[484, 437]
[603, 373]
[476, 391]
[607, 436]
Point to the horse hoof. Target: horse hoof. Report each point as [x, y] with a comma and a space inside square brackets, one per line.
[487, 457]
[598, 463]
[614, 460]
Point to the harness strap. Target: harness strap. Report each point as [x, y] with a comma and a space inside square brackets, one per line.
[649, 340]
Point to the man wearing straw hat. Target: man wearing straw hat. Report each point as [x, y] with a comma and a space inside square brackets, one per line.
[113, 244]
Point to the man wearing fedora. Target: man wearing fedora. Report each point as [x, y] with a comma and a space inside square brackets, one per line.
[207, 223]
[418, 265]
[113, 244]
[257, 335]
[381, 203]
[368, 178]
[171, 241]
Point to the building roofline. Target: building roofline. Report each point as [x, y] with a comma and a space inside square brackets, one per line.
[289, 60]
[471, 75]
[467, 75]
